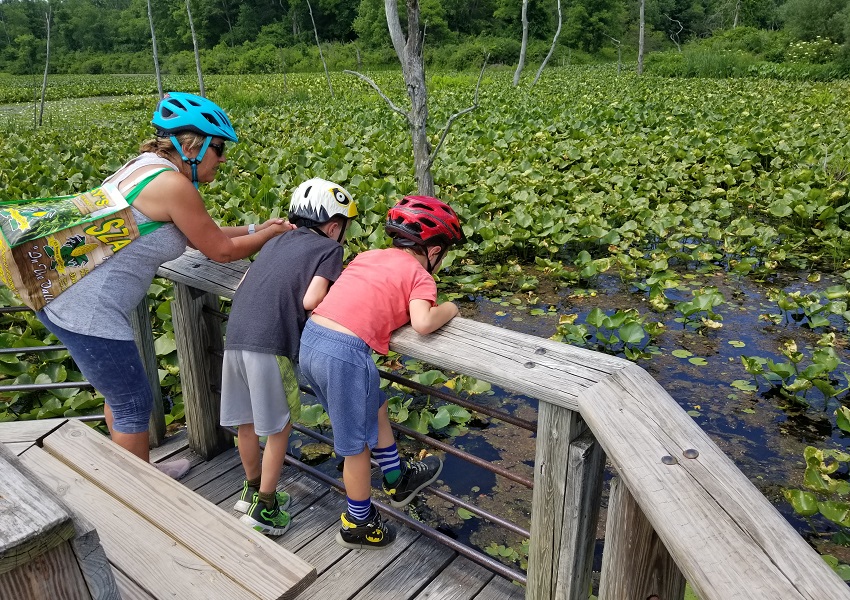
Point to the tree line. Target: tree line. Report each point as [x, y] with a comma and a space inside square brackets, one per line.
[256, 35]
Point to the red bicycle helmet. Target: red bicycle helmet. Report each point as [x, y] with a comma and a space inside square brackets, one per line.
[424, 221]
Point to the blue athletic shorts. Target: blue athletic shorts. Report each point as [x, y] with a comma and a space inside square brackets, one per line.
[115, 369]
[340, 369]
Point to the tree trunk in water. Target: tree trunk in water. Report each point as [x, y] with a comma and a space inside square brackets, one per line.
[155, 55]
[197, 53]
[413, 67]
[524, 46]
[552, 49]
[640, 37]
[737, 12]
[46, 66]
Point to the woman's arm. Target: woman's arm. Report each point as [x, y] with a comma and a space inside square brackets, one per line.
[241, 230]
[172, 197]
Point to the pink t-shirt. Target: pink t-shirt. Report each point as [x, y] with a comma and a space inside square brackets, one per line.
[372, 296]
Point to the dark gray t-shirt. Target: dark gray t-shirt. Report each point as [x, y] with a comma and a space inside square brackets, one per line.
[268, 308]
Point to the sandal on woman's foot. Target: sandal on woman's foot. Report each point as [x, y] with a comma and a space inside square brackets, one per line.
[174, 468]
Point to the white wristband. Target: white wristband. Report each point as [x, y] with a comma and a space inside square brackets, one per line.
[252, 228]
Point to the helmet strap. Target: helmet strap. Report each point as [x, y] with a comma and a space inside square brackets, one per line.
[192, 162]
[440, 256]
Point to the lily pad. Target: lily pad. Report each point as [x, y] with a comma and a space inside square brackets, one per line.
[698, 361]
[682, 353]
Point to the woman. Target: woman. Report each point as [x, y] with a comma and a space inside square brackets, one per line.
[92, 317]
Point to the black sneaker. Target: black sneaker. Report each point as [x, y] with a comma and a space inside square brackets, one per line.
[246, 499]
[371, 535]
[271, 521]
[414, 477]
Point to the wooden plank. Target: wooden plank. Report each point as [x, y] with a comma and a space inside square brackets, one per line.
[355, 569]
[32, 521]
[724, 535]
[196, 334]
[53, 575]
[171, 445]
[551, 371]
[635, 563]
[321, 515]
[135, 545]
[585, 475]
[196, 270]
[27, 431]
[140, 319]
[251, 559]
[461, 580]
[408, 574]
[130, 590]
[500, 588]
[90, 559]
[557, 427]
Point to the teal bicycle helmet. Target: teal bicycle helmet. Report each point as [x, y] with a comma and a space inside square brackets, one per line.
[179, 111]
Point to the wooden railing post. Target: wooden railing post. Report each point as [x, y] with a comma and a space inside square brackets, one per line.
[635, 563]
[568, 476]
[140, 319]
[198, 336]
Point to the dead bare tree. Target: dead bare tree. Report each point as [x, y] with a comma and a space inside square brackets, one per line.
[619, 52]
[409, 53]
[322, 56]
[737, 12]
[641, 36]
[197, 53]
[155, 53]
[524, 47]
[675, 35]
[46, 64]
[552, 49]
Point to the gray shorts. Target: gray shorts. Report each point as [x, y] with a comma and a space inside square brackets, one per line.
[340, 369]
[253, 390]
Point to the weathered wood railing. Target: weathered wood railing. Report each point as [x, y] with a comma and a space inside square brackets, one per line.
[680, 510]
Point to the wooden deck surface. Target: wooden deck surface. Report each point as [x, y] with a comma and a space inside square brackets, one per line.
[414, 567]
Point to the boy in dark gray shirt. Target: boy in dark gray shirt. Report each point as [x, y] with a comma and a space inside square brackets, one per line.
[291, 275]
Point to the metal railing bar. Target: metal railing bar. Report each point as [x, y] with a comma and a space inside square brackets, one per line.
[11, 309]
[437, 492]
[35, 387]
[31, 349]
[479, 462]
[492, 412]
[216, 313]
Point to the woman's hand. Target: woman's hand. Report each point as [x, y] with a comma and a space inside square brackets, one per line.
[278, 226]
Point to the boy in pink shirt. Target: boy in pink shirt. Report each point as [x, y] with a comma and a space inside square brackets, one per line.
[377, 293]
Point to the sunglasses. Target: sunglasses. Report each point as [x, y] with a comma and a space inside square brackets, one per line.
[218, 149]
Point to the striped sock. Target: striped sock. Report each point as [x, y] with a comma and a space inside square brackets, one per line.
[359, 509]
[389, 462]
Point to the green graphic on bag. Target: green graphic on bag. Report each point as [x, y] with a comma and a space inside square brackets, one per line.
[48, 244]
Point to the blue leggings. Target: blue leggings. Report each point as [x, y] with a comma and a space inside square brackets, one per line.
[115, 369]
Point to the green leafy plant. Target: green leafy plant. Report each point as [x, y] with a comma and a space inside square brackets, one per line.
[624, 332]
[827, 493]
[699, 312]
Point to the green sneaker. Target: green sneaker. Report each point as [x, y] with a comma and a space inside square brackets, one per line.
[371, 535]
[271, 521]
[414, 477]
[246, 499]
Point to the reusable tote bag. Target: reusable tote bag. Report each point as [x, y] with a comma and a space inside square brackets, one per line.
[48, 244]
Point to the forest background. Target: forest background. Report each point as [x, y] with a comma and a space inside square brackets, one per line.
[788, 39]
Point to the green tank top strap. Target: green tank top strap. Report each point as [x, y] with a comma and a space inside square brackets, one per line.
[150, 226]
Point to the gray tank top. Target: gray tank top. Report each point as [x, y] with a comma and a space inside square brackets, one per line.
[101, 302]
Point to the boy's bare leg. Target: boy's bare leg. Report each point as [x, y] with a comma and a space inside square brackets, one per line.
[276, 445]
[385, 431]
[357, 475]
[249, 451]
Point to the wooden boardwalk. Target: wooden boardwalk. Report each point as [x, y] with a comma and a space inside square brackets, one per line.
[154, 555]
[413, 568]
